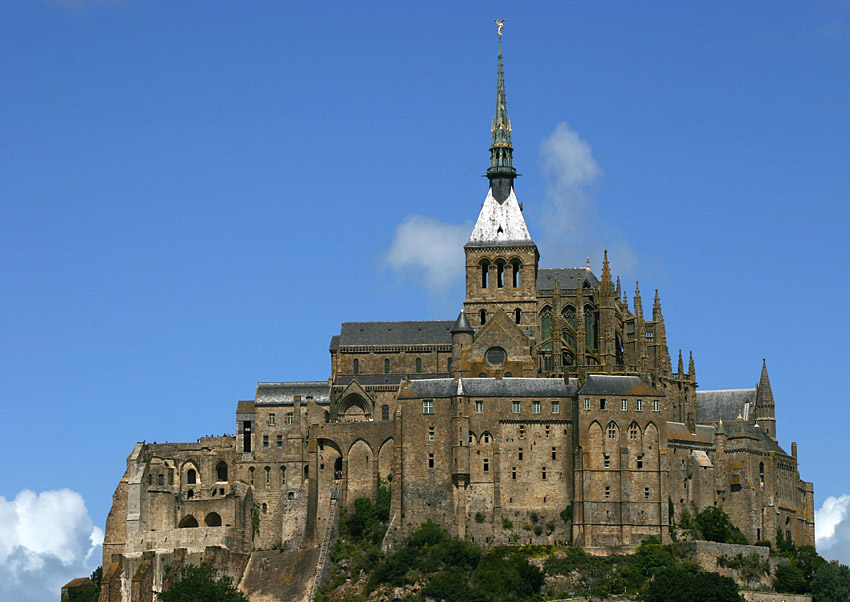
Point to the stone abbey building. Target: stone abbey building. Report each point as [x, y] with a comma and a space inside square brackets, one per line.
[550, 400]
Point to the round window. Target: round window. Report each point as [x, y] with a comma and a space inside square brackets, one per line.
[496, 356]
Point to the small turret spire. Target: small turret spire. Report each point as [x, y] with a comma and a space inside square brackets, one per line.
[681, 367]
[501, 172]
[691, 369]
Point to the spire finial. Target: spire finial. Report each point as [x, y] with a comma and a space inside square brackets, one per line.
[501, 172]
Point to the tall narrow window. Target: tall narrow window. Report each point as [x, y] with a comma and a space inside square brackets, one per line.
[518, 315]
[556, 407]
[290, 418]
[640, 461]
[607, 493]
[486, 465]
[430, 460]
[279, 441]
[356, 367]
[418, 365]
[430, 433]
[246, 436]
[761, 473]
[639, 405]
[586, 404]
[521, 431]
[646, 493]
[282, 476]
[272, 418]
[520, 454]
[656, 405]
[191, 476]
[554, 453]
[483, 315]
[221, 472]
[517, 265]
[385, 412]
[543, 473]
[624, 404]
[633, 431]
[535, 407]
[485, 268]
[500, 274]
[386, 365]
[513, 473]
[268, 470]
[515, 407]
[265, 441]
[479, 406]
[612, 431]
[546, 326]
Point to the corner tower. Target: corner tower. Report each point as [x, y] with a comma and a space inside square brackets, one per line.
[501, 258]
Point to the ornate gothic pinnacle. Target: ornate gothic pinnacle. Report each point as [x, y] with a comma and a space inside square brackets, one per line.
[501, 172]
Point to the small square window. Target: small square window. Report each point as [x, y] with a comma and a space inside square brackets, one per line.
[607, 493]
[656, 405]
[427, 406]
[646, 493]
[265, 440]
[607, 462]
[430, 460]
[515, 407]
[290, 419]
[271, 419]
[624, 404]
[586, 404]
[430, 433]
[639, 404]
[535, 407]
[602, 404]
[640, 461]
[556, 407]
[479, 406]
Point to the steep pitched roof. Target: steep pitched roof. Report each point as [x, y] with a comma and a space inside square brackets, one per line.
[568, 278]
[500, 224]
[427, 332]
[490, 387]
[284, 393]
[724, 404]
[608, 384]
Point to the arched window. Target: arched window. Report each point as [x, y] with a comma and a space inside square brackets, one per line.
[213, 519]
[546, 326]
[386, 365]
[517, 265]
[518, 315]
[221, 472]
[265, 507]
[569, 313]
[268, 474]
[385, 412]
[485, 438]
[612, 430]
[282, 476]
[356, 367]
[190, 494]
[188, 522]
[251, 470]
[449, 365]
[485, 269]
[306, 472]
[500, 274]
[418, 365]
[191, 476]
[483, 315]
[589, 328]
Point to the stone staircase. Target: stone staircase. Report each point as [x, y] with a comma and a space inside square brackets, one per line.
[327, 540]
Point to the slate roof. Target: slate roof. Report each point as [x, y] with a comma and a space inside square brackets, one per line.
[334, 346]
[284, 393]
[608, 384]
[490, 387]
[500, 224]
[568, 278]
[427, 332]
[741, 429]
[677, 431]
[724, 404]
[245, 407]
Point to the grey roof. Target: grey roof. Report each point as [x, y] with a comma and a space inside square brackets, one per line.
[284, 393]
[431, 332]
[678, 431]
[568, 278]
[491, 387]
[382, 379]
[608, 384]
[724, 404]
[334, 343]
[461, 324]
[741, 429]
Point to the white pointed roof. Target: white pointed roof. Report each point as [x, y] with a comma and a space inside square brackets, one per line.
[500, 223]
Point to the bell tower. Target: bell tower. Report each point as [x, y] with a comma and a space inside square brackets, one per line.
[501, 258]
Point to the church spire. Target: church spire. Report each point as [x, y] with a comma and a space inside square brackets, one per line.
[501, 172]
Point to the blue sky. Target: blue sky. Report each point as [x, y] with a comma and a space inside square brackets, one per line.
[193, 196]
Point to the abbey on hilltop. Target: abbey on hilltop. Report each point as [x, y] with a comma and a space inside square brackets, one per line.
[549, 401]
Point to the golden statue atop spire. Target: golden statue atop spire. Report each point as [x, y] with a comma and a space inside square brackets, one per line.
[501, 24]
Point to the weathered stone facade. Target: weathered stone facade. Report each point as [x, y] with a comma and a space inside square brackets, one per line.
[548, 412]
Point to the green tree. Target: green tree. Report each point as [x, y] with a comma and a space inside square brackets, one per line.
[688, 583]
[90, 592]
[789, 579]
[831, 583]
[201, 584]
[715, 525]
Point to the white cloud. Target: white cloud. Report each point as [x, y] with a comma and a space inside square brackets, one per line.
[571, 228]
[46, 540]
[832, 529]
[429, 252]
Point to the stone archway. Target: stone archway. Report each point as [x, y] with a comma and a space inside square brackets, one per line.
[354, 408]
[361, 472]
[385, 460]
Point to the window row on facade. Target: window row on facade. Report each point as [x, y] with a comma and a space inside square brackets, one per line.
[624, 405]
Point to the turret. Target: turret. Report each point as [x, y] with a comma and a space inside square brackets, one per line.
[765, 411]
[462, 337]
[606, 317]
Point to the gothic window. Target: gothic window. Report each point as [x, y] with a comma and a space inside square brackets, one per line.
[386, 365]
[589, 328]
[385, 412]
[619, 350]
[221, 472]
[517, 266]
[418, 365]
[191, 476]
[569, 314]
[612, 430]
[546, 326]
[356, 367]
[633, 431]
[518, 315]
[500, 274]
[485, 268]
[190, 494]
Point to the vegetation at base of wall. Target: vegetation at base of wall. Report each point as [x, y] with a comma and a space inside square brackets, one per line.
[712, 524]
[751, 567]
[687, 582]
[201, 584]
[807, 572]
[507, 524]
[90, 592]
